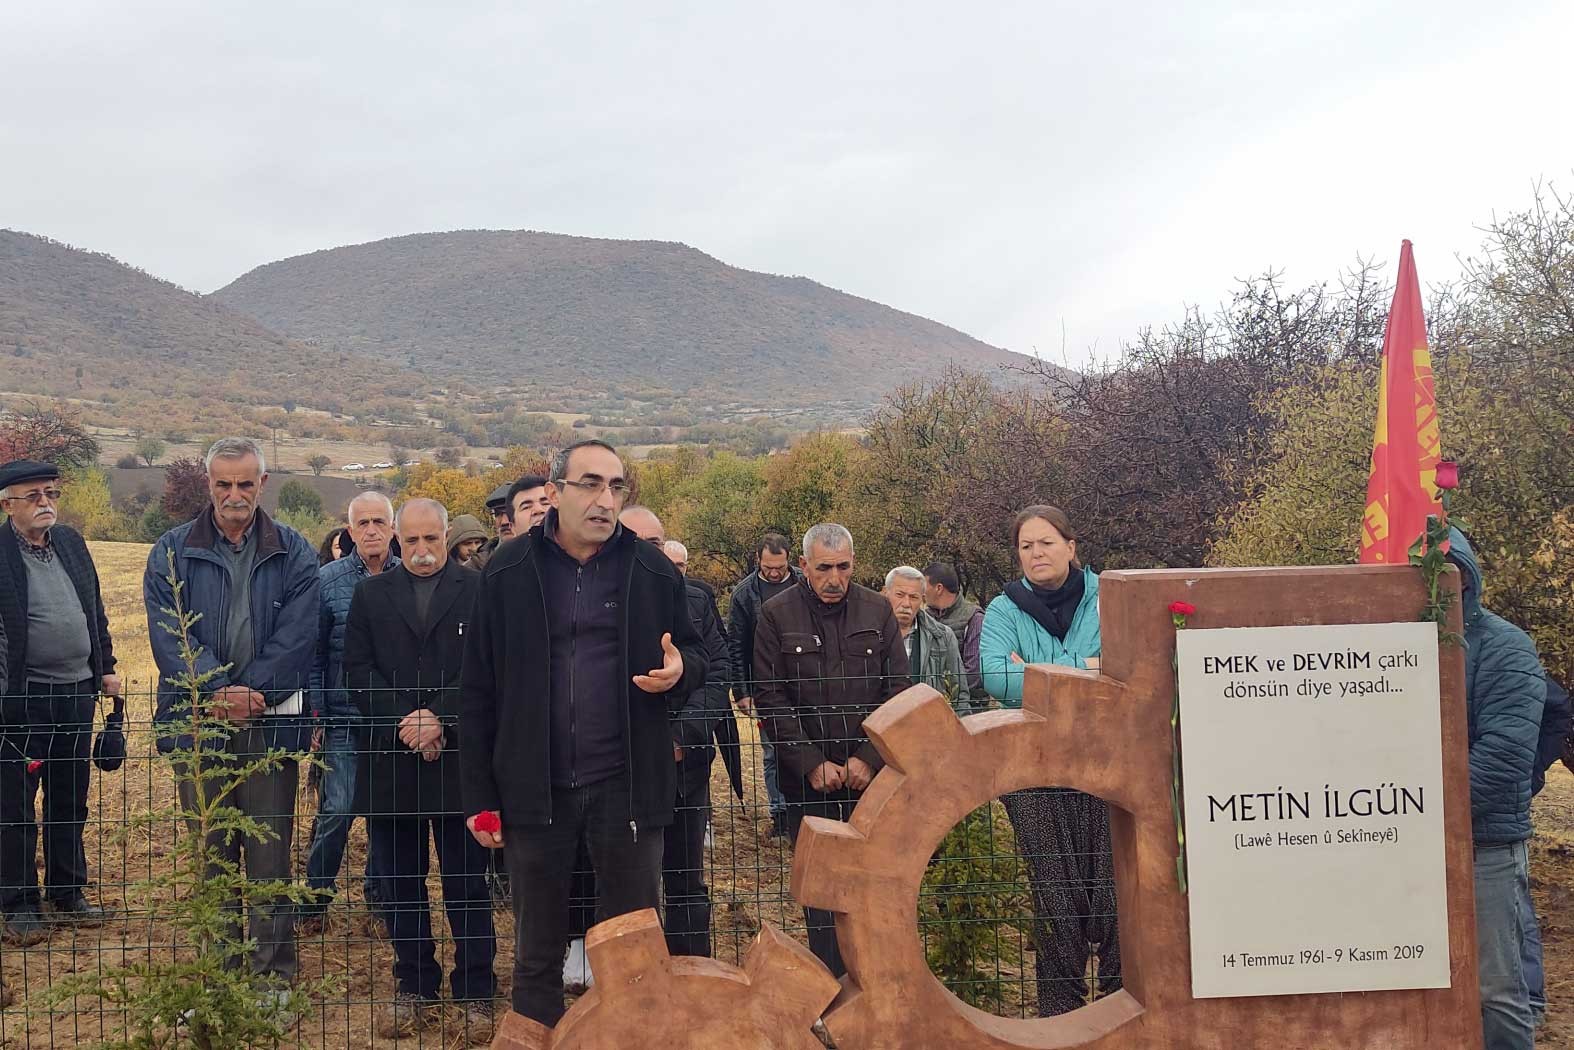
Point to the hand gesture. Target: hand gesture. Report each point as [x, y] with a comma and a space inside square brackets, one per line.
[858, 773]
[827, 777]
[110, 686]
[666, 676]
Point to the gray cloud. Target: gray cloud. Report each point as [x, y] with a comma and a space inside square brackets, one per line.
[1014, 170]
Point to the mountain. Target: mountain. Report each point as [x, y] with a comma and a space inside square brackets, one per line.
[139, 351]
[569, 314]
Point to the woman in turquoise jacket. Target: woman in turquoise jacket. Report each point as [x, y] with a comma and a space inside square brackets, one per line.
[1051, 616]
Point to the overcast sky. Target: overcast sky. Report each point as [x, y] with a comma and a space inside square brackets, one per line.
[1024, 172]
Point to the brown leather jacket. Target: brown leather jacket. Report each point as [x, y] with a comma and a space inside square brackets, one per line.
[822, 669]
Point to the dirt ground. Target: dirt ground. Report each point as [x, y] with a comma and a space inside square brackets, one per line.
[748, 878]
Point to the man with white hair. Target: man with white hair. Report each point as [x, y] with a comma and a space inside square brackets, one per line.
[827, 652]
[340, 732]
[403, 649]
[253, 584]
[933, 656]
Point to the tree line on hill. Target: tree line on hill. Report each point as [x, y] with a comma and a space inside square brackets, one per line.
[1238, 436]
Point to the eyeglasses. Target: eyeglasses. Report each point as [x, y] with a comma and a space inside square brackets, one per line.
[595, 486]
[40, 497]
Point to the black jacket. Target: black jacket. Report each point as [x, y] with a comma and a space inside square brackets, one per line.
[73, 555]
[393, 665]
[504, 720]
[743, 614]
[695, 723]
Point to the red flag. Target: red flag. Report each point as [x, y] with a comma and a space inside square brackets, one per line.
[1402, 489]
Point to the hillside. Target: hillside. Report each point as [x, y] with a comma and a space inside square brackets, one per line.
[133, 350]
[573, 315]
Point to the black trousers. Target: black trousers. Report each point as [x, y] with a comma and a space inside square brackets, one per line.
[52, 724]
[401, 842]
[627, 863]
[838, 805]
[683, 864]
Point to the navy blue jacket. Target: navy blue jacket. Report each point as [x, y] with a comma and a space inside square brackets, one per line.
[1505, 692]
[337, 580]
[284, 617]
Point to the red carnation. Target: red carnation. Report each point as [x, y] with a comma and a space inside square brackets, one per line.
[1182, 608]
[488, 821]
[1448, 474]
[35, 765]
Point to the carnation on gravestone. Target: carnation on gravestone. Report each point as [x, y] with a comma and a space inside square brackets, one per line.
[1182, 608]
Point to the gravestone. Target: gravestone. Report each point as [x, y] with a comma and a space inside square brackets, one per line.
[1107, 733]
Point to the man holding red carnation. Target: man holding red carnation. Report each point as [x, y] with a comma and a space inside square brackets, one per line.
[581, 649]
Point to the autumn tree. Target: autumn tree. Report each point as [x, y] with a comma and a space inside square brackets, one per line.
[33, 430]
[318, 463]
[149, 448]
[185, 490]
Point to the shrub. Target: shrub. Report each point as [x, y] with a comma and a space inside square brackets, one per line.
[296, 497]
[129, 461]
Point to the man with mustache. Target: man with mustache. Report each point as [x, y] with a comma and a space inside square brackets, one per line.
[254, 583]
[581, 650]
[57, 658]
[827, 652]
[403, 647]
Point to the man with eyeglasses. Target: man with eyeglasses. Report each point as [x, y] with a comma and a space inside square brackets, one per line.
[580, 649]
[57, 659]
[773, 574]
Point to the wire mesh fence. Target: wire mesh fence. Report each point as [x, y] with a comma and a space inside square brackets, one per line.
[1008, 905]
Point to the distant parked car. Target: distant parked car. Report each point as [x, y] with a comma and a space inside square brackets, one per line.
[381, 466]
[412, 463]
[353, 466]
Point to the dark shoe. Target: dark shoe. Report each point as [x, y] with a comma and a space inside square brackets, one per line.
[479, 1017]
[406, 1015]
[779, 826]
[76, 911]
[25, 927]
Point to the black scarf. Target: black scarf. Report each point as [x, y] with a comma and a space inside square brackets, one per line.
[1054, 609]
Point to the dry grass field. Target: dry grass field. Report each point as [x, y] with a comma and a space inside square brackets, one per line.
[748, 880]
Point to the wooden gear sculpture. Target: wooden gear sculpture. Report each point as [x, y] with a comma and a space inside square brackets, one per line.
[1107, 734]
[644, 997]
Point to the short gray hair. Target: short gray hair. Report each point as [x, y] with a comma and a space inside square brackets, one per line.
[673, 546]
[362, 497]
[234, 448]
[829, 535]
[904, 572]
[422, 503]
[558, 471]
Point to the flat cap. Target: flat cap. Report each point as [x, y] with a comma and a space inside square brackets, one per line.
[19, 470]
[499, 498]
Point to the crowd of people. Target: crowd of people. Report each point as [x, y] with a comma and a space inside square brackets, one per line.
[546, 703]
